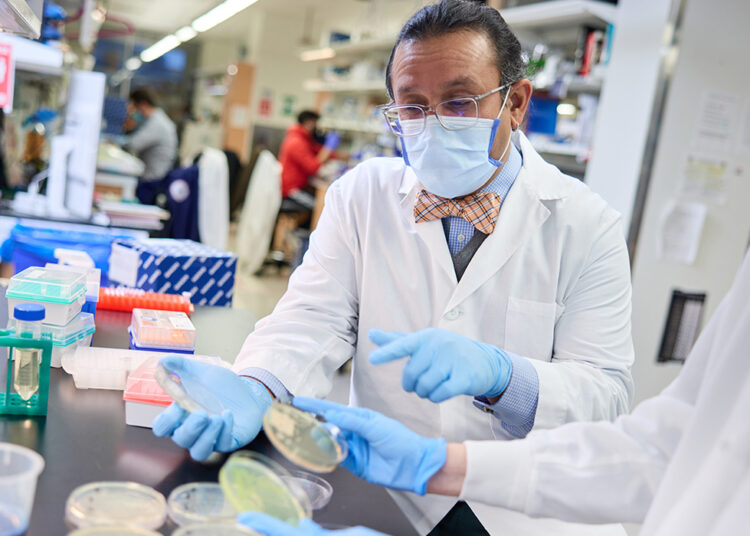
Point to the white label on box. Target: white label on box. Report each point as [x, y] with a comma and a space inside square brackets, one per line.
[123, 265]
[181, 322]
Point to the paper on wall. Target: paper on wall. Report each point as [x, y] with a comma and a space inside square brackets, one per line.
[705, 178]
[680, 233]
[717, 118]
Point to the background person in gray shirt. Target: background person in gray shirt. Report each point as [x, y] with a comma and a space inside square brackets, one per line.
[154, 138]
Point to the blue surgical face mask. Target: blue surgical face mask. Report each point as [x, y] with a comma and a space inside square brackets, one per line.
[454, 163]
[139, 118]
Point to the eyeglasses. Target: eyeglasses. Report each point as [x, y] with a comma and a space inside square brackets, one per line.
[453, 114]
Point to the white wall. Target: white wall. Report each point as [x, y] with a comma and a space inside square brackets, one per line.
[712, 55]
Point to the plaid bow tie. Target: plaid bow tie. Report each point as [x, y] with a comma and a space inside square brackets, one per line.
[480, 210]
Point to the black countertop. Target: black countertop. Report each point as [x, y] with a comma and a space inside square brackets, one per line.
[84, 439]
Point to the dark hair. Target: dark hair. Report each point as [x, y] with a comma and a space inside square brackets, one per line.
[307, 115]
[450, 16]
[143, 95]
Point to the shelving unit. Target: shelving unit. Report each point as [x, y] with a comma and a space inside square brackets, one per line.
[33, 56]
[374, 87]
[556, 13]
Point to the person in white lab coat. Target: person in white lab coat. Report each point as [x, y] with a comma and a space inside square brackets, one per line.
[679, 464]
[510, 306]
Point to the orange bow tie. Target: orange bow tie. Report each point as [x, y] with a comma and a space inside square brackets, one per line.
[480, 210]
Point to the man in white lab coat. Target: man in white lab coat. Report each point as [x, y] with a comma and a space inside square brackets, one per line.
[679, 464]
[515, 299]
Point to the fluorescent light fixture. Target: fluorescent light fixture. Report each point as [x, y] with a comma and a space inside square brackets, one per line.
[319, 54]
[133, 64]
[186, 33]
[161, 47]
[220, 13]
[565, 108]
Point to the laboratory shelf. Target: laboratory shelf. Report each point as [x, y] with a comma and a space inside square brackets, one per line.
[348, 48]
[579, 84]
[16, 16]
[353, 126]
[33, 56]
[373, 86]
[555, 13]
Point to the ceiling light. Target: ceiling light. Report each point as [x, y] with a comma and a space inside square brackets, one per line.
[220, 13]
[133, 64]
[565, 108]
[161, 47]
[319, 54]
[186, 33]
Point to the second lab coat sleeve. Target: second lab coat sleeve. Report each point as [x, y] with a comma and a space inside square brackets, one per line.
[591, 472]
[588, 378]
[313, 329]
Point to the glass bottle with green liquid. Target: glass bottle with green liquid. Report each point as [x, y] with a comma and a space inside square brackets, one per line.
[27, 362]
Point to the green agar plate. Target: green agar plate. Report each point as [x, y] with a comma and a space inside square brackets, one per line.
[254, 483]
[303, 439]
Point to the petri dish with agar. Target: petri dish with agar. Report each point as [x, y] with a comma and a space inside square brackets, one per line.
[188, 391]
[115, 503]
[318, 490]
[215, 529]
[199, 502]
[255, 483]
[113, 530]
[303, 439]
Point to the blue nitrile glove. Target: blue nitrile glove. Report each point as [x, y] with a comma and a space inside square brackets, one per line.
[245, 401]
[332, 140]
[443, 364]
[381, 450]
[270, 526]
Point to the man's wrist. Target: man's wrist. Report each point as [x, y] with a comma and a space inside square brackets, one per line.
[449, 479]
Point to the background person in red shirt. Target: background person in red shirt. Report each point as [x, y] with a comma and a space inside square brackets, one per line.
[301, 155]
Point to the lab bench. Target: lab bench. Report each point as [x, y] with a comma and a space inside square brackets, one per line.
[84, 439]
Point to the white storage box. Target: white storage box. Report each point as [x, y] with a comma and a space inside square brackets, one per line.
[61, 293]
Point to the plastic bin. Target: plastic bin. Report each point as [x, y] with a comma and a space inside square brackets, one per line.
[61, 293]
[65, 339]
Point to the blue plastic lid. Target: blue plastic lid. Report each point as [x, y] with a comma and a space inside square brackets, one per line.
[29, 312]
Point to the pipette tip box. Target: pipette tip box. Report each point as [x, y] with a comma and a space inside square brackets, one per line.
[62, 293]
[165, 331]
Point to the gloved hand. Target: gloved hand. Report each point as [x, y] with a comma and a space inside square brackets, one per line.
[245, 401]
[270, 526]
[381, 450]
[443, 364]
[332, 140]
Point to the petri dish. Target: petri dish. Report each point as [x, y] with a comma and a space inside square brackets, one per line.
[116, 503]
[215, 529]
[199, 502]
[303, 439]
[318, 490]
[113, 530]
[188, 391]
[255, 483]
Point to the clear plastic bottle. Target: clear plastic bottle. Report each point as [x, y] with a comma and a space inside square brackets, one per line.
[27, 362]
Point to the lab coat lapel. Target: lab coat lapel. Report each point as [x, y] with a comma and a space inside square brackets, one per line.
[522, 214]
[431, 232]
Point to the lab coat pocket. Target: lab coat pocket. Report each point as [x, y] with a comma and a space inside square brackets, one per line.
[530, 328]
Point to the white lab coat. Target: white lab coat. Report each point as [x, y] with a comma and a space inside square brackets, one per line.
[680, 461]
[213, 198]
[552, 283]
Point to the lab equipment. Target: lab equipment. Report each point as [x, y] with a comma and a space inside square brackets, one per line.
[108, 368]
[72, 260]
[214, 529]
[27, 371]
[318, 490]
[245, 399]
[199, 502]
[27, 362]
[61, 293]
[113, 530]
[303, 439]
[162, 331]
[381, 450]
[65, 339]
[253, 482]
[186, 389]
[115, 503]
[19, 471]
[127, 299]
[442, 364]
